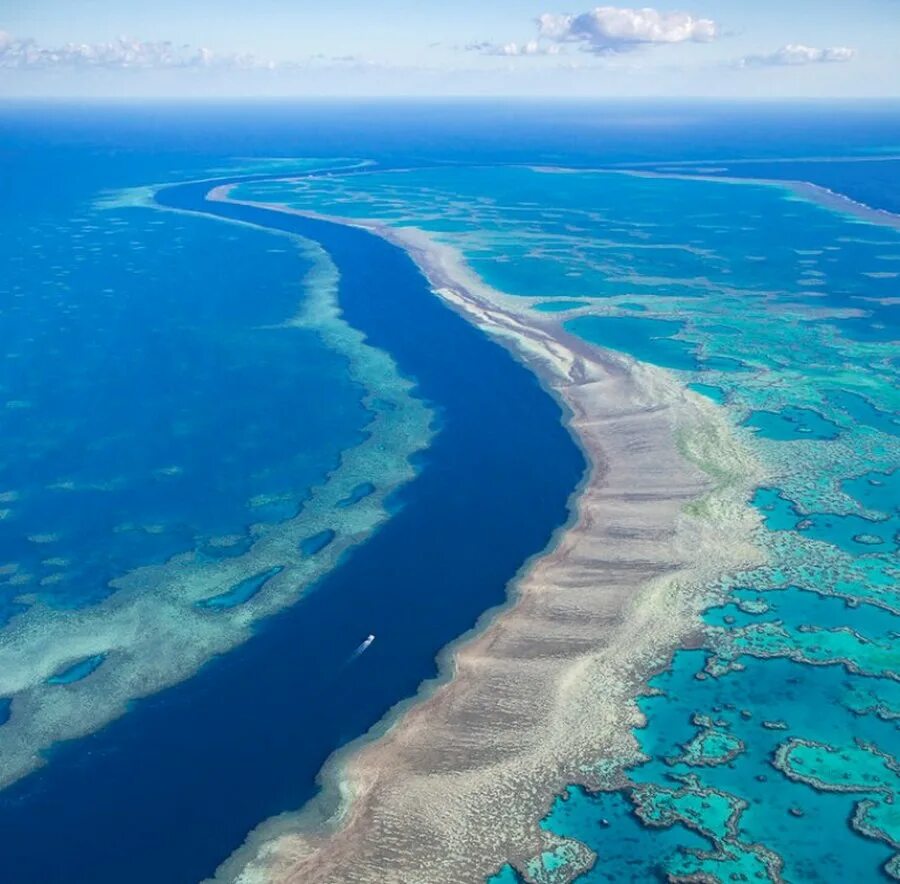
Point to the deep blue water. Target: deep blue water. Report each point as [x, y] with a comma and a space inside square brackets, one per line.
[875, 183]
[576, 132]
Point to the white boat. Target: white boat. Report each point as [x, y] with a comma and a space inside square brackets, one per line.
[364, 645]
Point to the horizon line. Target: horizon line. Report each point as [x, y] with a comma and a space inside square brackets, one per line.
[462, 98]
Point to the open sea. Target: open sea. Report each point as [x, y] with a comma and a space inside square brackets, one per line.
[235, 444]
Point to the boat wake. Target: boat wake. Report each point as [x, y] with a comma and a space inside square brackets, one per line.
[361, 649]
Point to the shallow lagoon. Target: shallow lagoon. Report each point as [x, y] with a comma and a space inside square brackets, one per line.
[132, 336]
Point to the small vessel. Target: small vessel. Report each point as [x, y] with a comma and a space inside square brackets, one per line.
[369, 639]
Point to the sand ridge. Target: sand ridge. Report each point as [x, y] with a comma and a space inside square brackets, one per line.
[453, 783]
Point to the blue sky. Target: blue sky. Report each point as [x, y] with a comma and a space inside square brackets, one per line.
[766, 48]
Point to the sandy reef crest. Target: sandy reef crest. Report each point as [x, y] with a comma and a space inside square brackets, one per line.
[541, 693]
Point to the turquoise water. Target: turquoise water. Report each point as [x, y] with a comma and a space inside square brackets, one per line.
[876, 491]
[559, 306]
[792, 423]
[689, 813]
[865, 412]
[647, 339]
[770, 751]
[854, 534]
[711, 391]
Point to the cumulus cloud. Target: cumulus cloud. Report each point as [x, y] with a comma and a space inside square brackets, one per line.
[609, 29]
[606, 30]
[795, 54]
[124, 53]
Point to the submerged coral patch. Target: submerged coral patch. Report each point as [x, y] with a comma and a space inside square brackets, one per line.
[358, 493]
[242, 591]
[309, 546]
[712, 745]
[77, 670]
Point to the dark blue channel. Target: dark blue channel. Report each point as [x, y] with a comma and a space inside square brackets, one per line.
[168, 791]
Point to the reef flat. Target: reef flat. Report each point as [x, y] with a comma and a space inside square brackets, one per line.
[532, 700]
[159, 623]
[771, 302]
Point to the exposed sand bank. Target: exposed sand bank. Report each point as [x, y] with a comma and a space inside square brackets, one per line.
[454, 782]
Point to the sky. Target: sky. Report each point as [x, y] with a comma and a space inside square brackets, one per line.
[555, 48]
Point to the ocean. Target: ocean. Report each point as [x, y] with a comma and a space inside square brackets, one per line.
[232, 451]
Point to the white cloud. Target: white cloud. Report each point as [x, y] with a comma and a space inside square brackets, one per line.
[609, 29]
[512, 49]
[795, 54]
[124, 53]
[606, 30]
